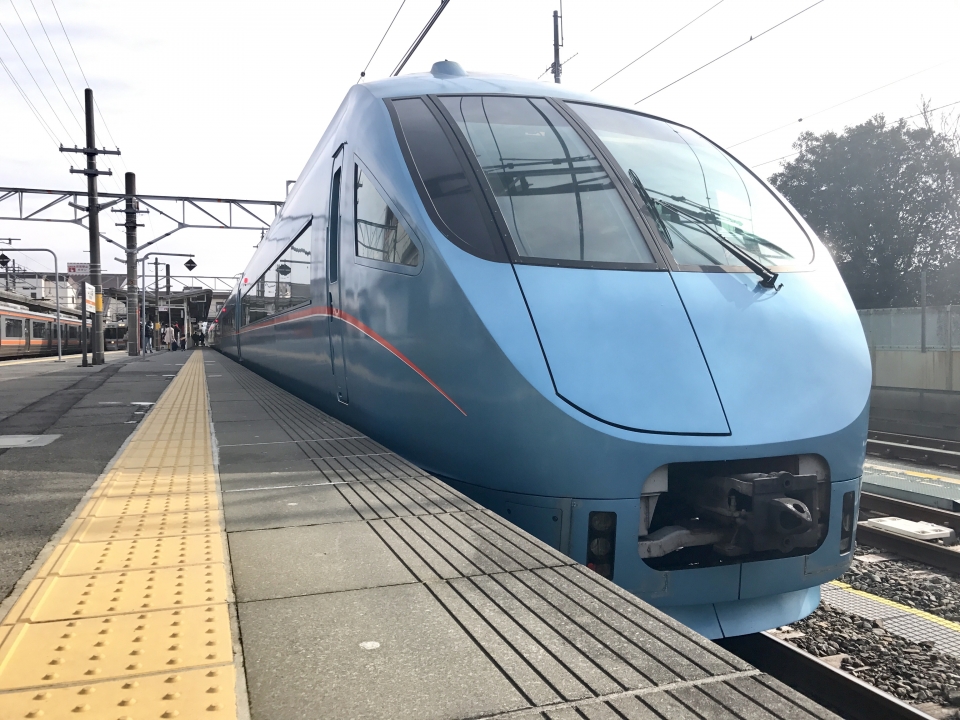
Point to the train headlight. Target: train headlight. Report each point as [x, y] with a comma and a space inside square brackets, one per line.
[601, 542]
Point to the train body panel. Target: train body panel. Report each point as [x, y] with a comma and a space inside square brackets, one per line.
[25, 333]
[566, 396]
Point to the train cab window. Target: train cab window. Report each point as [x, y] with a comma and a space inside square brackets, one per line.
[697, 191]
[39, 330]
[284, 286]
[555, 196]
[13, 328]
[453, 201]
[379, 234]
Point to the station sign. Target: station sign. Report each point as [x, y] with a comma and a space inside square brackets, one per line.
[78, 268]
[90, 301]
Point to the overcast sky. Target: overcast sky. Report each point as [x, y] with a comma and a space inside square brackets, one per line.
[227, 99]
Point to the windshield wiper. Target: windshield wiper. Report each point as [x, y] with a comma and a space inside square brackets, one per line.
[768, 278]
[648, 201]
[712, 213]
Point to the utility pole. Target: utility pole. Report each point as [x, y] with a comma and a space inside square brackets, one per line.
[93, 216]
[923, 311]
[556, 47]
[131, 210]
[156, 292]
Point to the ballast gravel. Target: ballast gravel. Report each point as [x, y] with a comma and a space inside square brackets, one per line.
[906, 582]
[916, 673]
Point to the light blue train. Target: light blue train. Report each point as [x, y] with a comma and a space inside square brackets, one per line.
[595, 322]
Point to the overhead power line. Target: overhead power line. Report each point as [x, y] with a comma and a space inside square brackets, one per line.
[363, 72]
[33, 109]
[657, 45]
[844, 102]
[30, 73]
[908, 117]
[911, 117]
[45, 66]
[57, 56]
[95, 103]
[420, 37]
[728, 52]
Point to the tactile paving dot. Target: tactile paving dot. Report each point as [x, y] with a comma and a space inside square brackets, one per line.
[79, 596]
[189, 695]
[94, 529]
[182, 483]
[72, 651]
[113, 555]
[113, 506]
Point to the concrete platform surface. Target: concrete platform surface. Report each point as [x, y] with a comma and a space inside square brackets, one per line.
[246, 555]
[366, 588]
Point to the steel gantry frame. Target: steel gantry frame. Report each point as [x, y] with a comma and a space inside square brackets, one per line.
[219, 212]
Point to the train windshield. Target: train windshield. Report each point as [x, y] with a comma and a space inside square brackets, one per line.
[697, 191]
[554, 194]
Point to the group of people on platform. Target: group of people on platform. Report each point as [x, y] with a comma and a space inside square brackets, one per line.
[172, 337]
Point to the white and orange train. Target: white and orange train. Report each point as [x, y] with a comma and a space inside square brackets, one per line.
[25, 333]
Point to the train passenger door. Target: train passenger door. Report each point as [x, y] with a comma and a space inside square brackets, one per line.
[338, 362]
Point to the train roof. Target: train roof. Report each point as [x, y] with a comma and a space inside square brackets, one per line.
[447, 77]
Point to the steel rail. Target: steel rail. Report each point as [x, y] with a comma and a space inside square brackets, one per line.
[841, 692]
[927, 442]
[928, 553]
[925, 455]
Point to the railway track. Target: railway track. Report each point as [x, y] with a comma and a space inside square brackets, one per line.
[939, 556]
[849, 697]
[927, 451]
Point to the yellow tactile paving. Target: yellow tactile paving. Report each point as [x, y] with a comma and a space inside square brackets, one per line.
[160, 524]
[82, 558]
[128, 617]
[154, 503]
[192, 695]
[936, 619]
[78, 596]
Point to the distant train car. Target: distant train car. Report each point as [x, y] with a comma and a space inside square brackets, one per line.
[595, 321]
[114, 336]
[25, 333]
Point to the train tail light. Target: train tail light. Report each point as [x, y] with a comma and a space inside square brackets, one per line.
[847, 522]
[601, 543]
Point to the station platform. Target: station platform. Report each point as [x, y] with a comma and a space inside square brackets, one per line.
[933, 486]
[246, 555]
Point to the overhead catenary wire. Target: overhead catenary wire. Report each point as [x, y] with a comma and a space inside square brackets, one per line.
[656, 46]
[832, 107]
[43, 123]
[363, 72]
[908, 117]
[30, 73]
[95, 103]
[46, 67]
[57, 56]
[941, 107]
[728, 52]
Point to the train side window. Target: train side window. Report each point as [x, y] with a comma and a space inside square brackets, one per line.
[285, 284]
[13, 328]
[291, 274]
[379, 234]
[74, 332]
[454, 201]
[39, 330]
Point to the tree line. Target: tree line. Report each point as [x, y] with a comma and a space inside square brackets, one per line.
[885, 199]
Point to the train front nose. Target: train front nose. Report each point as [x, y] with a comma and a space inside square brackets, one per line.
[621, 349]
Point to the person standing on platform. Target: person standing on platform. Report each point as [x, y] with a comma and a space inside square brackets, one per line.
[183, 340]
[168, 337]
